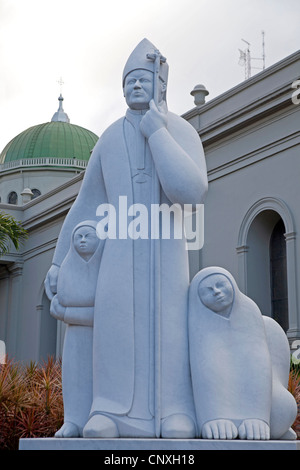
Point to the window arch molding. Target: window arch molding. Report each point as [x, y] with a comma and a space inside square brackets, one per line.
[268, 203]
[280, 207]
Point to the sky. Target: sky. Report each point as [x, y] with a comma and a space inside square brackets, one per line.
[87, 43]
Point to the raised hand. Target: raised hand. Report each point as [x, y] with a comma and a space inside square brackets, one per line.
[51, 281]
[153, 120]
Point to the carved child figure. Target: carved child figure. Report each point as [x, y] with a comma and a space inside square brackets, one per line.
[239, 363]
[74, 305]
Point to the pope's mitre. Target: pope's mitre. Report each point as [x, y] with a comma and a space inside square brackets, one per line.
[138, 60]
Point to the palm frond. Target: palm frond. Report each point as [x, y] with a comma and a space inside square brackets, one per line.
[11, 232]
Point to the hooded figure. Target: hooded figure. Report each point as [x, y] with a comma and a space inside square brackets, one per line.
[150, 157]
[231, 361]
[78, 275]
[74, 304]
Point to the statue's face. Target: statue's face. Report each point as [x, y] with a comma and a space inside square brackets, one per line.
[85, 241]
[138, 89]
[216, 292]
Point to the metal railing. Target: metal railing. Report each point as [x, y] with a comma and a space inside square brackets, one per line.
[44, 161]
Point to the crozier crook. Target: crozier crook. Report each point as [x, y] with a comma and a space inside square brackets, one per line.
[158, 59]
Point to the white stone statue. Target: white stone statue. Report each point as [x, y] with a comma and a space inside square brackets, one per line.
[240, 363]
[141, 375]
[74, 304]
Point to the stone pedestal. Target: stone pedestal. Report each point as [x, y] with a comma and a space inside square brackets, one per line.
[169, 446]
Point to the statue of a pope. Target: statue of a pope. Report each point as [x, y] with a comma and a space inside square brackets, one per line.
[141, 374]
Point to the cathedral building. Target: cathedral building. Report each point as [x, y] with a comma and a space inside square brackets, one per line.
[40, 174]
[251, 140]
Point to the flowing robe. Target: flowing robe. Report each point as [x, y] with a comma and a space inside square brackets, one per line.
[125, 360]
[230, 360]
[76, 289]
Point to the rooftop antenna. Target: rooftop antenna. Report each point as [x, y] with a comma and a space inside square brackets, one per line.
[246, 59]
[263, 50]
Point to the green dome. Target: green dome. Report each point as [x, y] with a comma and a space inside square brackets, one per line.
[50, 140]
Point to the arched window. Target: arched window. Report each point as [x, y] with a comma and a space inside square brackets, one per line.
[266, 252]
[12, 198]
[278, 276]
[258, 260]
[267, 266]
[36, 193]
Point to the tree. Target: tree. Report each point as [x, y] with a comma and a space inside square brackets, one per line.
[11, 231]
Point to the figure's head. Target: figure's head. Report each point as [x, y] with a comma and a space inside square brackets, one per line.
[140, 63]
[138, 89]
[85, 241]
[216, 293]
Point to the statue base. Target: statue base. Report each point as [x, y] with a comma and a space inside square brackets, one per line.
[188, 446]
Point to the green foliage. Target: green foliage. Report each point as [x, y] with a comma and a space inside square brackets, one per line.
[295, 367]
[31, 403]
[294, 389]
[11, 231]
